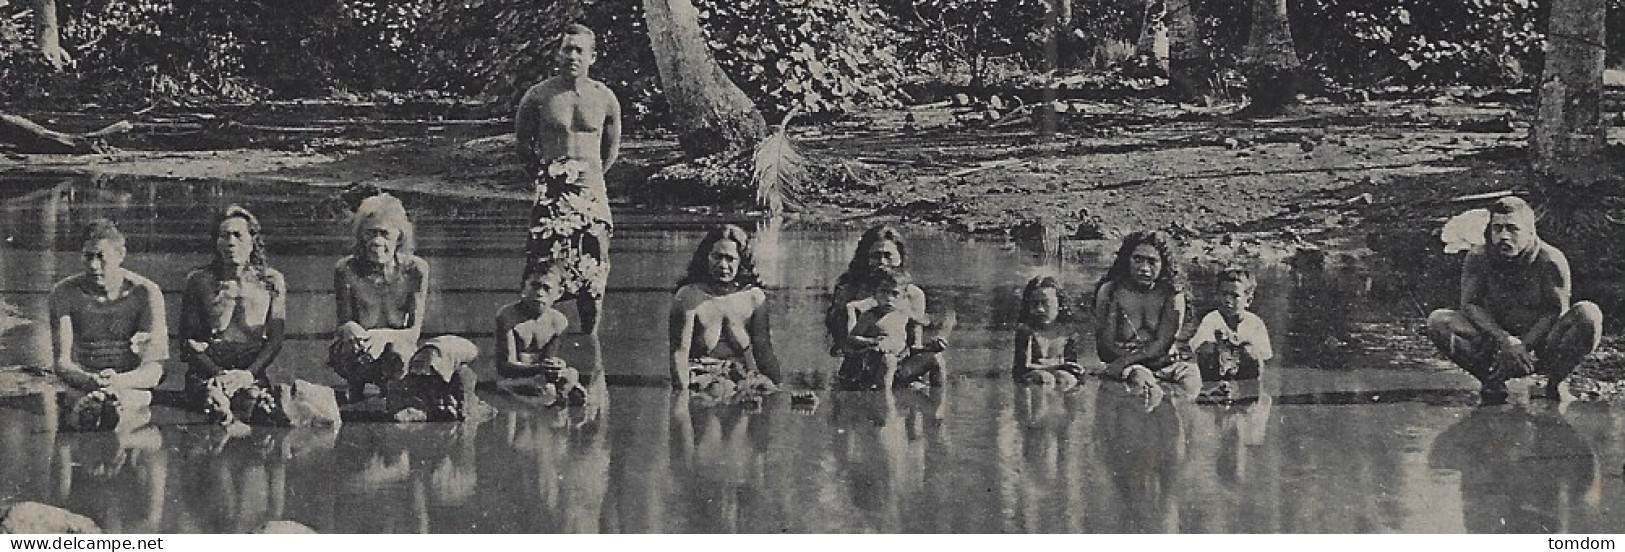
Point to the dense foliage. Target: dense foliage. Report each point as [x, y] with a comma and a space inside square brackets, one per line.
[818, 56]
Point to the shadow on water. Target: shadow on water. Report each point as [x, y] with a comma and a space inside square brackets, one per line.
[1358, 427]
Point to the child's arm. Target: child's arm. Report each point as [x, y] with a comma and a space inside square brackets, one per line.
[507, 348]
[1256, 340]
[1069, 352]
[857, 342]
[1024, 350]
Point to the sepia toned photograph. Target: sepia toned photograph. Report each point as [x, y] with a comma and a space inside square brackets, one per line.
[1081, 267]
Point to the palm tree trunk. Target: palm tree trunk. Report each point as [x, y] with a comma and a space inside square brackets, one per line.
[1272, 72]
[1059, 17]
[1568, 118]
[1152, 46]
[1190, 70]
[709, 112]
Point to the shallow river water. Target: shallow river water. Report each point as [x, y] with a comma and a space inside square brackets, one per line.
[1357, 427]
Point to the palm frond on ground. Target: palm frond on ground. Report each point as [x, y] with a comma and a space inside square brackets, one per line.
[780, 170]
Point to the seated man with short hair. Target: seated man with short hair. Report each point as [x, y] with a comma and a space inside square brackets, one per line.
[107, 332]
[1515, 318]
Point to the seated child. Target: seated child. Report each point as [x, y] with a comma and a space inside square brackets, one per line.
[877, 333]
[438, 385]
[526, 334]
[1046, 345]
[1232, 343]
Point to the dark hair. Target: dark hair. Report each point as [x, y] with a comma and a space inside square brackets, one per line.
[98, 230]
[858, 270]
[889, 278]
[577, 29]
[534, 268]
[1170, 277]
[1511, 205]
[699, 267]
[1240, 276]
[1028, 294]
[256, 258]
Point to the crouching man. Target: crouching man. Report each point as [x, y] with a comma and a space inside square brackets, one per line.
[1515, 318]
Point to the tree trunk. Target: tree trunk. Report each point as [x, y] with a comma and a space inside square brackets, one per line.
[1152, 47]
[48, 36]
[1190, 69]
[1272, 71]
[1060, 17]
[709, 112]
[1568, 122]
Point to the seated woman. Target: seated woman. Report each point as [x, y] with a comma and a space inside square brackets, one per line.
[1139, 307]
[108, 337]
[881, 247]
[233, 316]
[380, 292]
[720, 333]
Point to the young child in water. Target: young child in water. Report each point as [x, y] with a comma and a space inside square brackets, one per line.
[1231, 343]
[1046, 345]
[877, 333]
[527, 332]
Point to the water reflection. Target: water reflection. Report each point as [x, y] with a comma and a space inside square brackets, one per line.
[1522, 471]
[1341, 439]
[117, 478]
[1144, 451]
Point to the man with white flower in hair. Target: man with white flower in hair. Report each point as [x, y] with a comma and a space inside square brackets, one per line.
[1515, 318]
[569, 133]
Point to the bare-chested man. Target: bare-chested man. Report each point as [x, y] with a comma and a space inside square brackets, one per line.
[572, 117]
[1139, 307]
[1515, 318]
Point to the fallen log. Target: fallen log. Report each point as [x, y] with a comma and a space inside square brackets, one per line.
[26, 136]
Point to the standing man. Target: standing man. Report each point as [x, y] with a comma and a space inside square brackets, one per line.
[1515, 318]
[566, 124]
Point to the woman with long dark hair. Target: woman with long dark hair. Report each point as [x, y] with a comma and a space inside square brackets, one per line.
[233, 310]
[719, 317]
[1139, 307]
